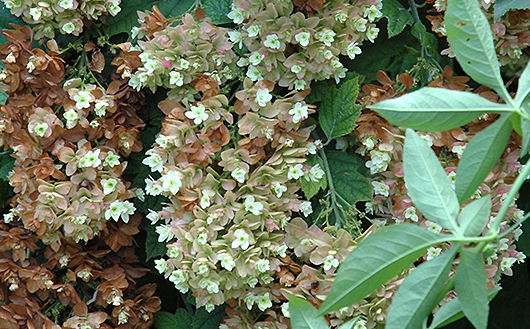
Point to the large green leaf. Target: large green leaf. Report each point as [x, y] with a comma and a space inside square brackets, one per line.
[304, 315]
[6, 165]
[217, 10]
[153, 248]
[338, 111]
[375, 260]
[452, 311]
[480, 156]
[165, 320]
[503, 6]
[523, 88]
[397, 15]
[474, 217]
[471, 39]
[470, 286]
[128, 17]
[418, 294]
[436, 109]
[202, 319]
[427, 40]
[427, 183]
[525, 128]
[348, 173]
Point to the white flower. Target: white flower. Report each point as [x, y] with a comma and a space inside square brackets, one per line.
[254, 74]
[197, 114]
[360, 324]
[303, 38]
[353, 50]
[41, 129]
[340, 16]
[111, 160]
[372, 13]
[236, 15]
[272, 41]
[410, 213]
[205, 199]
[36, 13]
[127, 208]
[299, 84]
[171, 182]
[249, 300]
[372, 33]
[296, 69]
[184, 64]
[153, 216]
[379, 161]
[255, 58]
[433, 252]
[164, 233]
[263, 97]
[202, 238]
[458, 150]
[253, 206]
[31, 64]
[263, 265]
[175, 78]
[311, 148]
[433, 227]
[226, 261]
[82, 99]
[285, 310]
[306, 208]
[239, 174]
[328, 54]
[68, 28]
[360, 24]
[299, 112]
[278, 189]
[326, 36]
[177, 277]
[114, 211]
[210, 286]
[71, 117]
[90, 159]
[314, 174]
[295, 172]
[173, 251]
[340, 74]
[380, 188]
[100, 105]
[236, 37]
[282, 251]
[161, 265]
[113, 8]
[154, 161]
[253, 30]
[264, 302]
[242, 239]
[330, 262]
[109, 185]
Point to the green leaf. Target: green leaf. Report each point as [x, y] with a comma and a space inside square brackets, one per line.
[375, 260]
[427, 40]
[427, 183]
[217, 10]
[436, 109]
[452, 311]
[309, 187]
[338, 111]
[471, 39]
[7, 18]
[474, 217]
[523, 89]
[128, 17]
[6, 165]
[419, 292]
[470, 286]
[348, 173]
[350, 324]
[397, 15]
[304, 315]
[480, 156]
[180, 320]
[503, 6]
[208, 320]
[153, 248]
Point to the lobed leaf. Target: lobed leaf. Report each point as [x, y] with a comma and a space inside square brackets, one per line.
[304, 315]
[376, 260]
[165, 320]
[398, 17]
[427, 183]
[480, 156]
[474, 217]
[436, 109]
[470, 287]
[348, 175]
[202, 319]
[470, 36]
[217, 10]
[338, 111]
[503, 6]
[419, 292]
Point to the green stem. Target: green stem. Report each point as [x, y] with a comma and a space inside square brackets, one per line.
[331, 187]
[414, 11]
[514, 226]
